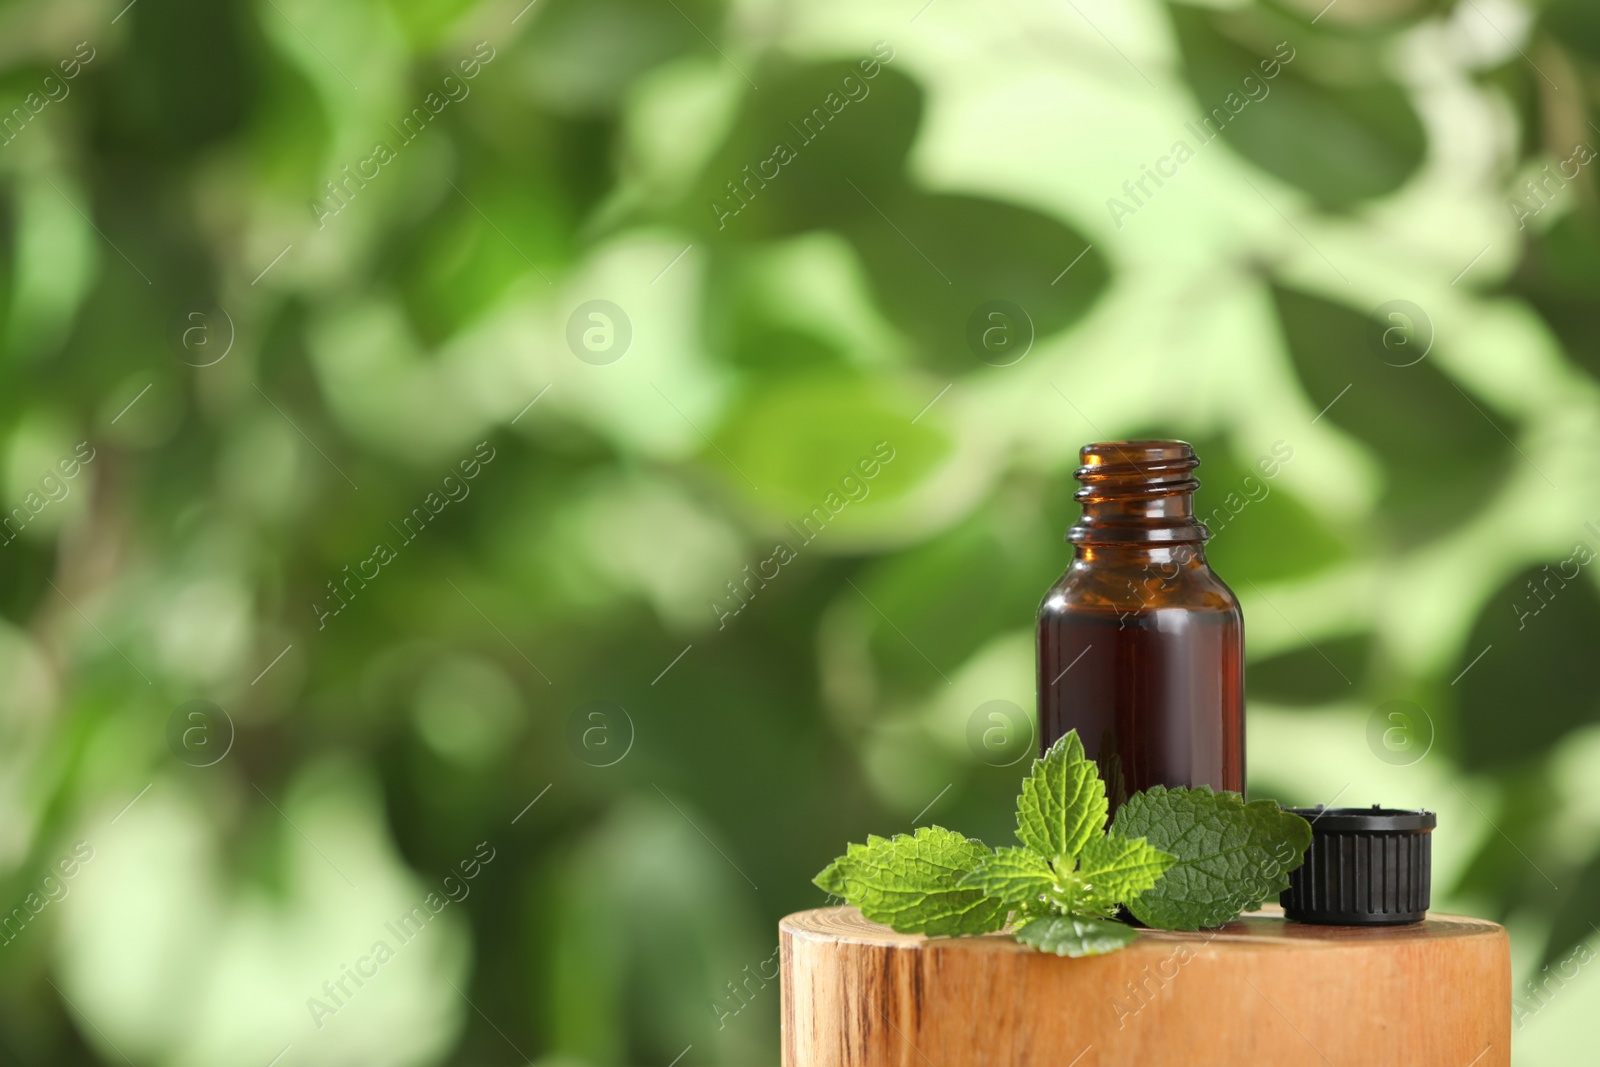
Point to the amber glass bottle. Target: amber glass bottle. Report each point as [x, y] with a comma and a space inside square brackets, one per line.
[1141, 646]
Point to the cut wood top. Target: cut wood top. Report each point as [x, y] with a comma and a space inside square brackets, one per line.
[1264, 927]
[1260, 990]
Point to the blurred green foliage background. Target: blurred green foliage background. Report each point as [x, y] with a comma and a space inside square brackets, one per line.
[277, 276]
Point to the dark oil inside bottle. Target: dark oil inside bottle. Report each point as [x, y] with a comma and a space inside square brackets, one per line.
[1140, 644]
[1154, 695]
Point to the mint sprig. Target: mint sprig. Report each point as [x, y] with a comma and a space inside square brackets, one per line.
[1067, 865]
[1066, 936]
[1063, 802]
[913, 883]
[1178, 859]
[1231, 855]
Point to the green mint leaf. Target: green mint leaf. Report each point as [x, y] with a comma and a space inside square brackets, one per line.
[1017, 876]
[1231, 856]
[1063, 803]
[912, 883]
[831, 878]
[1066, 936]
[1117, 869]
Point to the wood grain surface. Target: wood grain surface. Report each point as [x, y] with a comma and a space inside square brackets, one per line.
[1259, 991]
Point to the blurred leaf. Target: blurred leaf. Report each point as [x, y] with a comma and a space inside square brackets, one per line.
[426, 22]
[1512, 866]
[584, 56]
[1539, 679]
[462, 263]
[1438, 447]
[1575, 918]
[826, 146]
[953, 594]
[810, 442]
[187, 78]
[1341, 143]
[289, 137]
[1522, 88]
[644, 924]
[779, 350]
[1366, 17]
[808, 151]
[1574, 24]
[1259, 530]
[753, 322]
[10, 227]
[1559, 275]
[937, 260]
[1333, 669]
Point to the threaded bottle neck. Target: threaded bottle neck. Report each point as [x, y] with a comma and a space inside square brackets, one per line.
[1137, 492]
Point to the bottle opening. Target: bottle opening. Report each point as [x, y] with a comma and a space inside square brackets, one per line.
[1137, 492]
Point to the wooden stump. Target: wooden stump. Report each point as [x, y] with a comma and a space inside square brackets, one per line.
[1260, 991]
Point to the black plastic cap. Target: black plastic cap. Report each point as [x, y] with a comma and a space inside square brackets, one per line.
[1365, 867]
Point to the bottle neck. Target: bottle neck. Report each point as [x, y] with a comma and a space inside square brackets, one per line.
[1169, 558]
[1138, 494]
